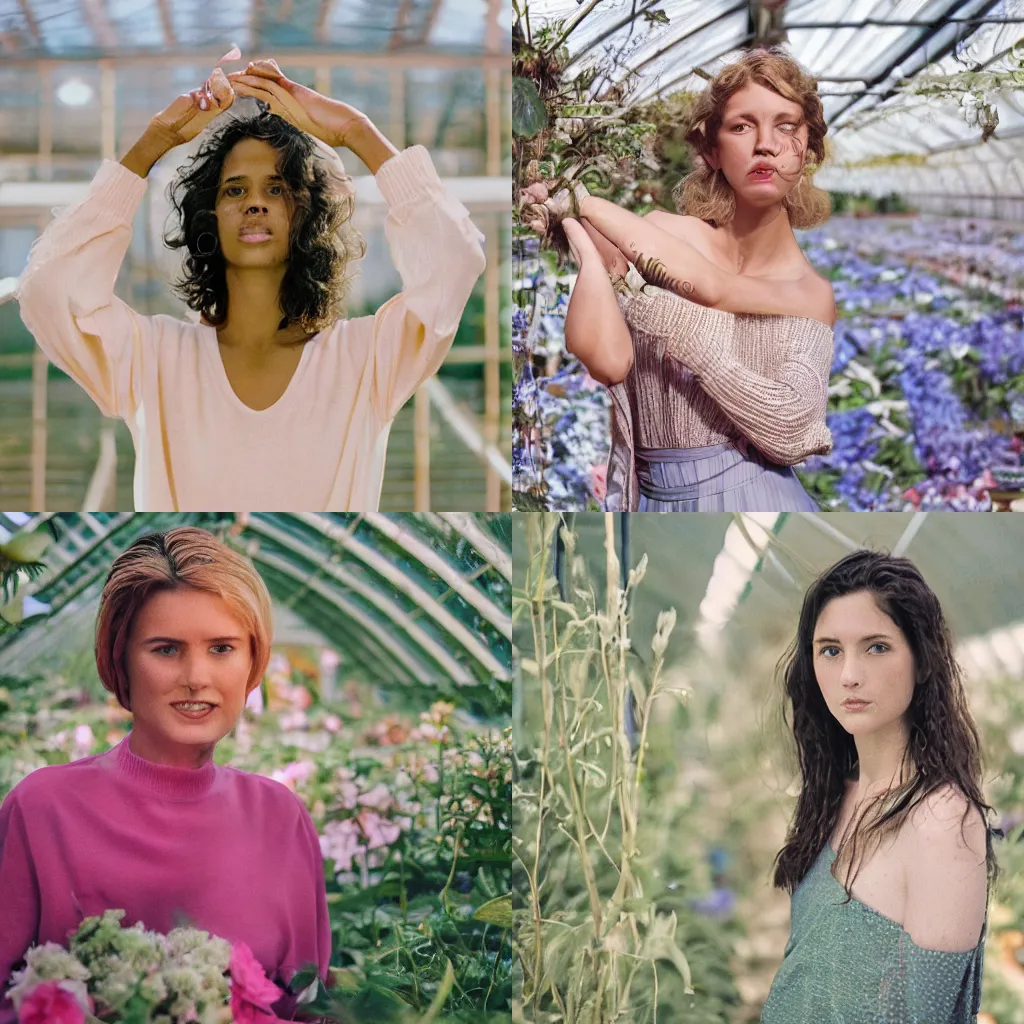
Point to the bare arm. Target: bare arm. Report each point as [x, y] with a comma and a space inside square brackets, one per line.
[595, 330]
[669, 262]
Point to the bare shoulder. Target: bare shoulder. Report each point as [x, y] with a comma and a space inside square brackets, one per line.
[946, 819]
[814, 298]
[677, 224]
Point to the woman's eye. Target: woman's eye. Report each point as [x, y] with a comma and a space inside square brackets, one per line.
[884, 647]
[165, 649]
[231, 188]
[276, 188]
[825, 651]
[222, 648]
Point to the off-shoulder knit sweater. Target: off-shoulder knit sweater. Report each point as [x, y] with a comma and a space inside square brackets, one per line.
[728, 378]
[322, 445]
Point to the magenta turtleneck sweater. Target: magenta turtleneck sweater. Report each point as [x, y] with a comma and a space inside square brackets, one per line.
[223, 850]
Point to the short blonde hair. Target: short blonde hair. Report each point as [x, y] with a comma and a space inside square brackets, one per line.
[704, 192]
[183, 557]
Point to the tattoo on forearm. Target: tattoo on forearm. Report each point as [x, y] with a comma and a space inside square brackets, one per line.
[655, 272]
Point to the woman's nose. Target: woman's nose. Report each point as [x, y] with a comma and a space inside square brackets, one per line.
[256, 209]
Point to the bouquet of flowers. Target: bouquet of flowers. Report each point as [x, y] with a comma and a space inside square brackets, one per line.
[133, 976]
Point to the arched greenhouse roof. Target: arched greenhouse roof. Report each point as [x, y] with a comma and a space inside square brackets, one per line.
[864, 54]
[417, 598]
[733, 578]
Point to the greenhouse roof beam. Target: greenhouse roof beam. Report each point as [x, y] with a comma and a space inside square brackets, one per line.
[425, 554]
[73, 559]
[99, 24]
[466, 527]
[728, 13]
[426, 602]
[30, 22]
[166, 23]
[657, 89]
[401, 618]
[323, 21]
[882, 23]
[829, 530]
[906, 52]
[686, 35]
[388, 654]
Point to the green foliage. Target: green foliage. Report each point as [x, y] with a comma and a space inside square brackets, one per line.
[598, 936]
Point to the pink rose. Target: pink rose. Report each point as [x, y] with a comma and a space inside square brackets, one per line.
[252, 993]
[48, 1003]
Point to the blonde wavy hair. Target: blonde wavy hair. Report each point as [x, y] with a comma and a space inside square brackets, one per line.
[179, 558]
[705, 192]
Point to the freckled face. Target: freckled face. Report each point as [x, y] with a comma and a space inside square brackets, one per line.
[760, 126]
[183, 645]
[252, 194]
[860, 653]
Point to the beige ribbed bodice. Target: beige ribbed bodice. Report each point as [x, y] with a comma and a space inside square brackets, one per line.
[728, 376]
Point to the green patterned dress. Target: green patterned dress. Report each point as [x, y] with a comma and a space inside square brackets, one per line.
[849, 964]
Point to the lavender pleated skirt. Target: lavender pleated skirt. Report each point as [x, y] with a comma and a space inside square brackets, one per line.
[717, 478]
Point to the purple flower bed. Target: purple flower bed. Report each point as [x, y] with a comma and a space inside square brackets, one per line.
[923, 379]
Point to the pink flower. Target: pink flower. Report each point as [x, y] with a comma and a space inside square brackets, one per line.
[987, 479]
[912, 496]
[378, 831]
[332, 723]
[599, 482]
[48, 1003]
[252, 993]
[349, 794]
[340, 843]
[379, 797]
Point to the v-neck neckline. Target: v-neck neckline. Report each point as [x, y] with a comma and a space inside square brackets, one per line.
[225, 381]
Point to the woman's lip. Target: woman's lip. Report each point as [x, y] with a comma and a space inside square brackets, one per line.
[196, 715]
[855, 705]
[255, 236]
[764, 170]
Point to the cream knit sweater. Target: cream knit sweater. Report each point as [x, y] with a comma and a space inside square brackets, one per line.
[198, 447]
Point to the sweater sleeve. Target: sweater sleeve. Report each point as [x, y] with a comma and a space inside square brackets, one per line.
[782, 413]
[439, 254]
[66, 292]
[19, 898]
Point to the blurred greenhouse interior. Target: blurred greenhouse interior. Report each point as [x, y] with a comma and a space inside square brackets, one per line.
[79, 81]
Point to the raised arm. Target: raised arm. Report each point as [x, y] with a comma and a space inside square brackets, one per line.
[66, 292]
[594, 328]
[434, 245]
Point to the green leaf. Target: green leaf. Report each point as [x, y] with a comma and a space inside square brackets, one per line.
[529, 115]
[497, 912]
[25, 548]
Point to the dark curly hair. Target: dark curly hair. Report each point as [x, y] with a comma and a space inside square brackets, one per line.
[315, 283]
[944, 748]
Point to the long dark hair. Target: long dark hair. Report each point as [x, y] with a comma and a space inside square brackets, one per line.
[321, 241]
[943, 747]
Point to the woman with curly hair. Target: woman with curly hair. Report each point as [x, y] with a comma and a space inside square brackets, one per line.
[273, 400]
[889, 856]
[729, 298]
